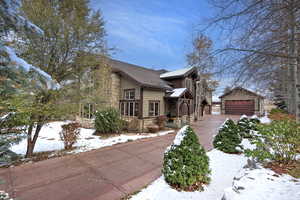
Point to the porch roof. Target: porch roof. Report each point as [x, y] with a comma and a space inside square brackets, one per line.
[179, 92]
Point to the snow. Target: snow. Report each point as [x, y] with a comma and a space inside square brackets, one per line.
[27, 67]
[247, 144]
[49, 139]
[223, 166]
[243, 116]
[180, 135]
[178, 138]
[263, 184]
[178, 72]
[178, 92]
[215, 113]
[265, 120]
[10, 9]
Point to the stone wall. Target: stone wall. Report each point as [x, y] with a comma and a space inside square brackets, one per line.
[115, 90]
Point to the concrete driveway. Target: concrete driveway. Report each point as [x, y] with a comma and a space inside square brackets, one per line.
[103, 174]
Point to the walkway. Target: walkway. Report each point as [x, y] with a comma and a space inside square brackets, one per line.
[106, 174]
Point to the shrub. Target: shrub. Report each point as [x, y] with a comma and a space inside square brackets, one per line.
[228, 139]
[277, 110]
[4, 196]
[186, 165]
[69, 134]
[161, 121]
[108, 121]
[277, 142]
[282, 116]
[153, 128]
[246, 126]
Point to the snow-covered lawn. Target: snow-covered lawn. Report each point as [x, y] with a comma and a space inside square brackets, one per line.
[230, 181]
[223, 167]
[263, 184]
[49, 139]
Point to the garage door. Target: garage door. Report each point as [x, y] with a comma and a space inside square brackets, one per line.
[239, 107]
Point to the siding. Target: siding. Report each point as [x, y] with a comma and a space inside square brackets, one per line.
[129, 84]
[240, 95]
[149, 95]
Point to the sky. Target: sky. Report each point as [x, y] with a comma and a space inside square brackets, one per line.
[155, 34]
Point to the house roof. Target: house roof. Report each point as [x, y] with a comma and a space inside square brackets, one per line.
[143, 76]
[240, 88]
[178, 73]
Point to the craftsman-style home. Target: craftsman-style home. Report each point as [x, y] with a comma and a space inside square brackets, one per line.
[144, 94]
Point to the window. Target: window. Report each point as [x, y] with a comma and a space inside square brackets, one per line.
[129, 94]
[154, 108]
[129, 108]
[87, 110]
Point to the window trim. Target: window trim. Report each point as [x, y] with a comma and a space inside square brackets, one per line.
[129, 91]
[129, 108]
[153, 113]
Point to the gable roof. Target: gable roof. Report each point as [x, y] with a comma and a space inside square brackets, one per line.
[143, 76]
[178, 73]
[240, 88]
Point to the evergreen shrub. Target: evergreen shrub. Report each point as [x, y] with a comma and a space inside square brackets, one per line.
[228, 138]
[108, 121]
[186, 165]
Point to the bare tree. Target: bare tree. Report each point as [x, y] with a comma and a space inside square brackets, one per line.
[261, 43]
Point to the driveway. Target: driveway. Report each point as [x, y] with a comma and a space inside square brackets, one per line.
[104, 174]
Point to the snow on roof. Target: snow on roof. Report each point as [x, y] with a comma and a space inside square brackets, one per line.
[216, 99]
[178, 72]
[178, 92]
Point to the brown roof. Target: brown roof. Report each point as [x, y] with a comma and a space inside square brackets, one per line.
[240, 88]
[143, 76]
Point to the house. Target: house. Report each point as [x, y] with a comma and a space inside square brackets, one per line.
[239, 101]
[143, 94]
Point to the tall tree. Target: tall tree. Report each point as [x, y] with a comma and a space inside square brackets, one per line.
[71, 44]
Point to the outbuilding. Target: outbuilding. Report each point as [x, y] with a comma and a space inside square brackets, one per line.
[240, 101]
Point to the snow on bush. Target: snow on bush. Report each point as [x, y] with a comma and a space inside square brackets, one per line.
[4, 196]
[262, 184]
[186, 165]
[228, 139]
[278, 141]
[247, 126]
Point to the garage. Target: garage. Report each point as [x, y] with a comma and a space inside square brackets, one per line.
[240, 101]
[239, 107]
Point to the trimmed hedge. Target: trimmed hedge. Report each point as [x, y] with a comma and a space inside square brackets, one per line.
[228, 139]
[108, 121]
[186, 165]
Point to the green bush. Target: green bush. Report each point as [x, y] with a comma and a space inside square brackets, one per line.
[108, 121]
[186, 165]
[277, 110]
[277, 142]
[228, 139]
[246, 125]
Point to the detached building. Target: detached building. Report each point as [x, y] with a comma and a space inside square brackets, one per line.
[240, 101]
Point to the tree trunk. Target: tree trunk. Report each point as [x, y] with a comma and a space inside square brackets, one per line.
[31, 141]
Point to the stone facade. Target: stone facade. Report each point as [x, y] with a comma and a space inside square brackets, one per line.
[115, 90]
